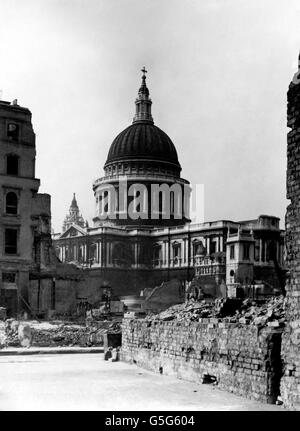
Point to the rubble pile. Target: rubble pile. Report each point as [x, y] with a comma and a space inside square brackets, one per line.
[235, 342]
[262, 313]
[46, 334]
[2, 335]
[71, 335]
[270, 313]
[66, 335]
[113, 327]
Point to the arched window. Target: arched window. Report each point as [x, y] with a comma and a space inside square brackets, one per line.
[11, 203]
[12, 164]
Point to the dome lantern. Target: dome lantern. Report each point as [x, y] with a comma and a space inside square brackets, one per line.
[143, 102]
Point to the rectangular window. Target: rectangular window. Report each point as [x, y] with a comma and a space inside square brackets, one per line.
[232, 252]
[11, 240]
[13, 131]
[176, 250]
[12, 165]
[213, 247]
[246, 251]
[8, 277]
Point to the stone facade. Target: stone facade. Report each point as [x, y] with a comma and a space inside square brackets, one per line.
[31, 278]
[133, 259]
[290, 385]
[25, 229]
[244, 359]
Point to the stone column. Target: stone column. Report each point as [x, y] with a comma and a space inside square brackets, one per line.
[189, 247]
[136, 254]
[185, 252]
[207, 239]
[260, 250]
[164, 257]
[167, 255]
[99, 252]
[107, 253]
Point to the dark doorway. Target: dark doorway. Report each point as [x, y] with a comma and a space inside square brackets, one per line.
[9, 300]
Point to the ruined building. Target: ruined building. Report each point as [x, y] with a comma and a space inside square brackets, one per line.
[151, 246]
[25, 233]
[290, 382]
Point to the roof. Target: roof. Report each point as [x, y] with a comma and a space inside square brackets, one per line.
[143, 140]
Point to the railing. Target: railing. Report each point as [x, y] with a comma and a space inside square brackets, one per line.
[118, 176]
[204, 261]
[210, 270]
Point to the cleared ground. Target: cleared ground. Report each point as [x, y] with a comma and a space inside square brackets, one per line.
[87, 382]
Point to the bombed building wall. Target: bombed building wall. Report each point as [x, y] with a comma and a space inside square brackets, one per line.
[25, 233]
[55, 295]
[242, 359]
[291, 339]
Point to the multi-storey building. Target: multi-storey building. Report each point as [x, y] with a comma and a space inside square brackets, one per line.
[25, 229]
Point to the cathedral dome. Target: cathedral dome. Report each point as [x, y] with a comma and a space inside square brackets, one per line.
[142, 185]
[143, 140]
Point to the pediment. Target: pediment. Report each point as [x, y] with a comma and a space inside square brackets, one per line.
[73, 231]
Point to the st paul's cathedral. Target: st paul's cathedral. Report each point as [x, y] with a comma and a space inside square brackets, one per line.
[132, 252]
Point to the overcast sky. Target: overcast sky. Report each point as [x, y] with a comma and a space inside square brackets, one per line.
[218, 75]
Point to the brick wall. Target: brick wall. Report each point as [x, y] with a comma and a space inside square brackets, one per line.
[290, 384]
[244, 359]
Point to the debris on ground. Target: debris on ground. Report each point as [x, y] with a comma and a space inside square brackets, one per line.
[56, 333]
[268, 312]
[25, 335]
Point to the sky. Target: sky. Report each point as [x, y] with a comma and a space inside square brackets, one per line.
[218, 73]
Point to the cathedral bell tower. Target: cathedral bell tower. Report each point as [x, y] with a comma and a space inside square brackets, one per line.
[74, 216]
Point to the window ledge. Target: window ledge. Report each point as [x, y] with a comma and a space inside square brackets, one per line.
[17, 216]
